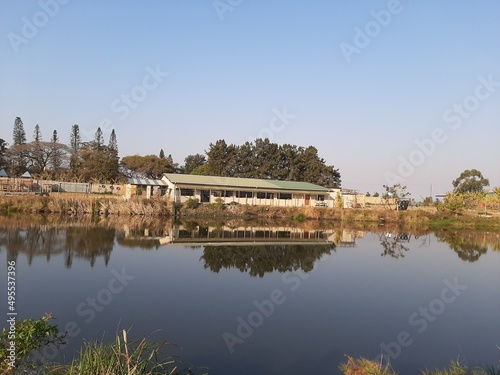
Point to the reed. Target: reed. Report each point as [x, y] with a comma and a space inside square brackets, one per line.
[119, 358]
[90, 204]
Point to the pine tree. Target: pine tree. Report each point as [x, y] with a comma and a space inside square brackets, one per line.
[37, 134]
[19, 135]
[98, 140]
[55, 137]
[75, 139]
[191, 162]
[113, 144]
[56, 149]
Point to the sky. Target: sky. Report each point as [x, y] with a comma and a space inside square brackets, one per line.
[387, 91]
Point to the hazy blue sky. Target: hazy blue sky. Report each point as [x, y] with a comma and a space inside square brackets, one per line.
[363, 80]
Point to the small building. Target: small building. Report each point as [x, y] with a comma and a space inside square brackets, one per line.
[145, 187]
[211, 189]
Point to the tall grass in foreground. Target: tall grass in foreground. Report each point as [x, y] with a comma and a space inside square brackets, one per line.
[120, 358]
[364, 366]
[457, 368]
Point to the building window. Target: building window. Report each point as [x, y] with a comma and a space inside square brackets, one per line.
[284, 196]
[187, 192]
[227, 193]
[264, 195]
[217, 193]
[244, 194]
[321, 197]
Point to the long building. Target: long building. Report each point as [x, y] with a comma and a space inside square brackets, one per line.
[210, 189]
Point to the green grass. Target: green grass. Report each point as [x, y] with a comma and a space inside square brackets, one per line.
[120, 358]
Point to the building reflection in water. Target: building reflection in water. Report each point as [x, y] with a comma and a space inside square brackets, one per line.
[281, 248]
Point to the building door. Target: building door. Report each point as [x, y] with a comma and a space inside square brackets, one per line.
[205, 196]
[308, 199]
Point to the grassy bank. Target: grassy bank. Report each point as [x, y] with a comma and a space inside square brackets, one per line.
[121, 357]
[76, 204]
[362, 366]
[85, 204]
[414, 218]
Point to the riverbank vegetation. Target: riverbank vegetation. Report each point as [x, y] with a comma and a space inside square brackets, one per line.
[144, 357]
[121, 357]
[362, 366]
[80, 204]
[427, 217]
[108, 205]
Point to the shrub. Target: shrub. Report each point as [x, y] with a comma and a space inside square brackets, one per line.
[300, 218]
[29, 335]
[457, 203]
[192, 203]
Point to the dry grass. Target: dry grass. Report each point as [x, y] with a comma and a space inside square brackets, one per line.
[86, 204]
[362, 366]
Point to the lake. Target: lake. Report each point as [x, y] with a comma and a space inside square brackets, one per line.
[267, 299]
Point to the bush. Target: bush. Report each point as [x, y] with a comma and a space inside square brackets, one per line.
[192, 203]
[457, 203]
[300, 218]
[29, 335]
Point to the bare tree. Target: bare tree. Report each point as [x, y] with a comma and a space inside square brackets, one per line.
[39, 155]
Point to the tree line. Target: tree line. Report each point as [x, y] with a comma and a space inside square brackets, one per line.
[74, 161]
[96, 161]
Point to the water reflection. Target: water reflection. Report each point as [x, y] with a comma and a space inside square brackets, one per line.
[395, 245]
[261, 259]
[470, 245]
[250, 248]
[47, 241]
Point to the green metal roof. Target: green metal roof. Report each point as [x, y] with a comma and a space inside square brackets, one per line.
[248, 183]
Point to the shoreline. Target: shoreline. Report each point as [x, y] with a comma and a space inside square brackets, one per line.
[107, 205]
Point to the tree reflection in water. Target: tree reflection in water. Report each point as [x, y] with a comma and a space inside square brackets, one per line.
[83, 238]
[394, 245]
[258, 260]
[87, 242]
[470, 245]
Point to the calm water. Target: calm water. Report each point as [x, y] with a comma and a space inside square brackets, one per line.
[267, 300]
